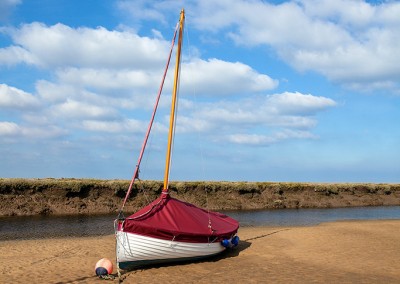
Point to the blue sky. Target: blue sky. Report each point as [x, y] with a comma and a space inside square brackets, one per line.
[300, 90]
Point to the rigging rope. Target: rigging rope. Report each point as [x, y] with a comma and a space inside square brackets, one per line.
[202, 163]
[136, 173]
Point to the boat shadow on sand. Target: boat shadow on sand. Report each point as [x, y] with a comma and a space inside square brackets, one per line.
[233, 252]
[228, 253]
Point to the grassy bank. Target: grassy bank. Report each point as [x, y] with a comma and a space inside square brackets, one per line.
[89, 196]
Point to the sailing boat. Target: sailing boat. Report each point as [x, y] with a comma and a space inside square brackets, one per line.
[168, 229]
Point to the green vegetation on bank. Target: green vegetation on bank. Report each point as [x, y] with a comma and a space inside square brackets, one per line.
[91, 196]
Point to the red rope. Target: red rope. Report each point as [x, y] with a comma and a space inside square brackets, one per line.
[136, 173]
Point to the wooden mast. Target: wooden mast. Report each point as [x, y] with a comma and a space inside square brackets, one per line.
[136, 173]
[174, 94]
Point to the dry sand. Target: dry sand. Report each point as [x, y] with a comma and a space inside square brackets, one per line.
[340, 252]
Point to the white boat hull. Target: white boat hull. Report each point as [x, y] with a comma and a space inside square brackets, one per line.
[136, 250]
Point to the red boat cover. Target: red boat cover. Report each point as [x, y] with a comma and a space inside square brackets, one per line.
[171, 219]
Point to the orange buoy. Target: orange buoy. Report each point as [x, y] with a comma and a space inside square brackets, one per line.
[103, 267]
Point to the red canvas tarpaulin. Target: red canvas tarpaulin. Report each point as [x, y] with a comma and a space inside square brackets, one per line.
[171, 219]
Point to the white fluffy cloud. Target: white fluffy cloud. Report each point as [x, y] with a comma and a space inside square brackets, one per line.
[298, 104]
[76, 109]
[215, 77]
[98, 74]
[286, 109]
[61, 45]
[109, 79]
[261, 120]
[130, 125]
[11, 130]
[14, 98]
[262, 140]
[8, 128]
[352, 42]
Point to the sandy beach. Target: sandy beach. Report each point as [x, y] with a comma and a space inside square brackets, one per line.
[339, 252]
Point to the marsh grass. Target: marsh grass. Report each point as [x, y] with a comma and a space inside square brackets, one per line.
[71, 196]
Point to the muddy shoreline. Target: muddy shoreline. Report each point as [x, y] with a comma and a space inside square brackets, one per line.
[24, 197]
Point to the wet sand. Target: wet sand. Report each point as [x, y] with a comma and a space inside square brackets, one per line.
[339, 252]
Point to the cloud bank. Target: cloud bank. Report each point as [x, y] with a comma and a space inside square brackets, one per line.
[354, 43]
[94, 88]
